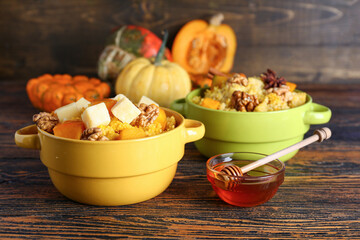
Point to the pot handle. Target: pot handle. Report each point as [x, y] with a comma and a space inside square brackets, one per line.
[318, 114]
[194, 130]
[179, 105]
[28, 137]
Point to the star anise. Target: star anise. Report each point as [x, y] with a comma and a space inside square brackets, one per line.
[271, 80]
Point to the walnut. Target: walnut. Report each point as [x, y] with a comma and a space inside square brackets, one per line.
[46, 121]
[283, 91]
[243, 102]
[147, 116]
[93, 134]
[239, 79]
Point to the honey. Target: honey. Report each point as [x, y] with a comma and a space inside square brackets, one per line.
[253, 188]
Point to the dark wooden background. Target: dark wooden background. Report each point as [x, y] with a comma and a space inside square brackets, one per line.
[310, 42]
[303, 40]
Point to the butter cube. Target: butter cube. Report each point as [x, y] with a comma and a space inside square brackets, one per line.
[118, 97]
[96, 115]
[82, 103]
[67, 112]
[125, 110]
[147, 101]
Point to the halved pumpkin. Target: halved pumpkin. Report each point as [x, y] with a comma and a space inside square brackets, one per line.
[200, 45]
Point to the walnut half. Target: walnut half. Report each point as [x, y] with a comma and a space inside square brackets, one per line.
[283, 91]
[243, 102]
[93, 134]
[147, 116]
[46, 121]
[239, 79]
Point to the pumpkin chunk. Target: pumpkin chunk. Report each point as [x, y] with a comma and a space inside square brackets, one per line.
[69, 129]
[210, 103]
[218, 81]
[131, 133]
[291, 85]
[161, 119]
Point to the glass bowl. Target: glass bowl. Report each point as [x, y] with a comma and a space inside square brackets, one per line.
[254, 188]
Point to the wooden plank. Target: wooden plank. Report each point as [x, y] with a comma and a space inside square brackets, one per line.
[306, 41]
[318, 199]
[301, 208]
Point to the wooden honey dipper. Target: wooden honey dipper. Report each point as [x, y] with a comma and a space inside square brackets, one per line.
[319, 136]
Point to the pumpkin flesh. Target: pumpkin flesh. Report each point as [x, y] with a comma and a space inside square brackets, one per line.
[69, 129]
[199, 46]
[161, 118]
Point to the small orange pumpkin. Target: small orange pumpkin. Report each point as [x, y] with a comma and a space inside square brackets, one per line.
[49, 92]
[199, 46]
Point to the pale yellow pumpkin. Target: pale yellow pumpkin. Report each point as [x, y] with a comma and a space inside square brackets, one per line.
[163, 82]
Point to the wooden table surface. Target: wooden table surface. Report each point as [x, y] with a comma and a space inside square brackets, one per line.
[319, 197]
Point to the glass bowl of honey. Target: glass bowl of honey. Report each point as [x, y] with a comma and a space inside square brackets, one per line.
[252, 188]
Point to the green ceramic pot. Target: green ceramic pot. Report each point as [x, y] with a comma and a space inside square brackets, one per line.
[262, 132]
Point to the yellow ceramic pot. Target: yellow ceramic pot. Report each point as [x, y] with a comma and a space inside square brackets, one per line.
[110, 173]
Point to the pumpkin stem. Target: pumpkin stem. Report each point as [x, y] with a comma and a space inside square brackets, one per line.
[217, 19]
[161, 51]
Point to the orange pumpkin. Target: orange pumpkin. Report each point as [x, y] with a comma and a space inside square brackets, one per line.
[210, 103]
[131, 133]
[199, 46]
[291, 85]
[161, 119]
[70, 129]
[49, 92]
